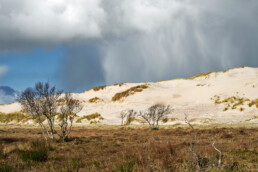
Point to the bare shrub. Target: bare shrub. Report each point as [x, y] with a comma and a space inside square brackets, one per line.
[127, 116]
[154, 114]
[41, 103]
[67, 114]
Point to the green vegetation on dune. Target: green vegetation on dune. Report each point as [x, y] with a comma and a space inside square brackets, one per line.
[120, 85]
[253, 102]
[14, 116]
[94, 100]
[201, 75]
[233, 102]
[90, 117]
[128, 92]
[207, 74]
[96, 88]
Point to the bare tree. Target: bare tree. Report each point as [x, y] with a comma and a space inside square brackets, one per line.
[68, 112]
[202, 162]
[216, 149]
[41, 103]
[154, 114]
[123, 115]
[128, 115]
[195, 155]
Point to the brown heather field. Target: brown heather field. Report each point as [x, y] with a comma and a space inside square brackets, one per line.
[121, 149]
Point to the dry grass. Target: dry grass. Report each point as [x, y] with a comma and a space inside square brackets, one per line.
[131, 149]
[96, 88]
[232, 102]
[90, 117]
[128, 92]
[94, 100]
[171, 80]
[134, 120]
[61, 102]
[165, 120]
[120, 85]
[20, 116]
[253, 102]
[206, 75]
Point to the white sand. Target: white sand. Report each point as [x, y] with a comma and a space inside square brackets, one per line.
[184, 96]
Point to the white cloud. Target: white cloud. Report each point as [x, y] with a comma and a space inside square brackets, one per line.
[49, 21]
[165, 39]
[139, 40]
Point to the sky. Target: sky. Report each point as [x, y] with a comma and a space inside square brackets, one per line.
[80, 44]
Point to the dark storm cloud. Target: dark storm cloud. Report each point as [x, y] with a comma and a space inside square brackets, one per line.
[135, 40]
[82, 68]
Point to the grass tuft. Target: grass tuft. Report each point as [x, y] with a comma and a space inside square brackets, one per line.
[128, 92]
[206, 75]
[119, 84]
[5, 168]
[90, 117]
[253, 102]
[96, 88]
[38, 152]
[14, 116]
[125, 167]
[94, 100]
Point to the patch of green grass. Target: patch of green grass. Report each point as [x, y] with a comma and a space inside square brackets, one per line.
[5, 167]
[38, 156]
[1, 151]
[38, 152]
[245, 155]
[125, 167]
[128, 92]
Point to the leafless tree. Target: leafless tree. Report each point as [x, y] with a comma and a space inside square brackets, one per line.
[195, 155]
[68, 112]
[216, 149]
[123, 115]
[41, 103]
[202, 162]
[128, 115]
[154, 114]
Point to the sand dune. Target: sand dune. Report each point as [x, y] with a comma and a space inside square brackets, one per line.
[195, 96]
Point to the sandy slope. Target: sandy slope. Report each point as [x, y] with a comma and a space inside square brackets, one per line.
[193, 96]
